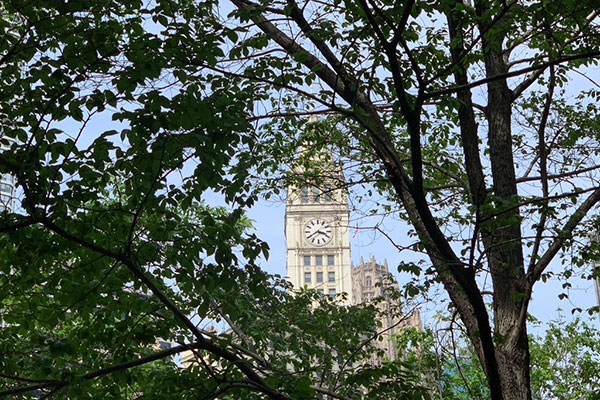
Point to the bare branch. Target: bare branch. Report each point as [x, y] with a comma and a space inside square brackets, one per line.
[559, 176]
[511, 74]
[543, 167]
[563, 235]
[528, 81]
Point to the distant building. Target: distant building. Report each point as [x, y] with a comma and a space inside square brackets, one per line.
[317, 230]
[7, 193]
[7, 189]
[189, 358]
[598, 287]
[369, 283]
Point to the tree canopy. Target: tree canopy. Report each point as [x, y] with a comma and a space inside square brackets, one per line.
[116, 134]
[461, 114]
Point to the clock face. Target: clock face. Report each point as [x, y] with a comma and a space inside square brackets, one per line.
[318, 232]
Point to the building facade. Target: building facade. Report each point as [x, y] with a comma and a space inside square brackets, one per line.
[598, 288]
[7, 182]
[373, 283]
[319, 257]
[317, 229]
[7, 193]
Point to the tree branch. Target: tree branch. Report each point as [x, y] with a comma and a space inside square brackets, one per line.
[22, 222]
[99, 373]
[130, 262]
[563, 234]
[511, 74]
[558, 176]
[528, 81]
[543, 168]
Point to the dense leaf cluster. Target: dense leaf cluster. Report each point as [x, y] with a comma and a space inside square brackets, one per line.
[117, 130]
[123, 121]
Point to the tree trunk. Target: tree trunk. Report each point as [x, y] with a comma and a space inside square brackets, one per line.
[503, 349]
[513, 365]
[502, 234]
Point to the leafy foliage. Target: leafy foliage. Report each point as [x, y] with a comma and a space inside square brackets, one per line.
[119, 137]
[563, 360]
[123, 120]
[464, 117]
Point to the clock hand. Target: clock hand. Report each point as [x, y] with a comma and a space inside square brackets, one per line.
[312, 234]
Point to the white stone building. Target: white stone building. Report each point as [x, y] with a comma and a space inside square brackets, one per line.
[317, 229]
[7, 193]
[7, 182]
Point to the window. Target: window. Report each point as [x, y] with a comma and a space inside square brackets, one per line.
[307, 261]
[319, 277]
[328, 195]
[164, 345]
[319, 261]
[307, 278]
[317, 193]
[305, 195]
[331, 260]
[331, 276]
[332, 294]
[369, 283]
[321, 292]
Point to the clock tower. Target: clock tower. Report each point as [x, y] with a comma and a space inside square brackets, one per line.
[317, 229]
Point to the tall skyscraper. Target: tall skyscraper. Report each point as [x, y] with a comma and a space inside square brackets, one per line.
[317, 229]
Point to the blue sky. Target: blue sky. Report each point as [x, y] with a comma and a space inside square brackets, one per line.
[269, 216]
